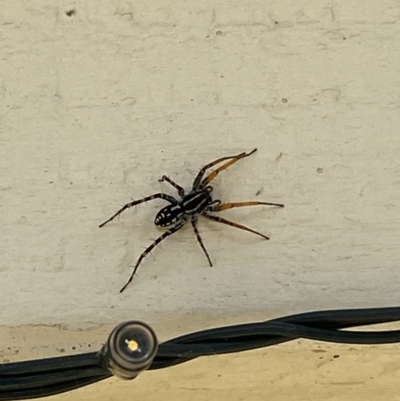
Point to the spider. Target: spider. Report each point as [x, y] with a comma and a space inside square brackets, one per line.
[197, 201]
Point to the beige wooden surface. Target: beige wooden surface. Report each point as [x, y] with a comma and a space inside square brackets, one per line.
[99, 99]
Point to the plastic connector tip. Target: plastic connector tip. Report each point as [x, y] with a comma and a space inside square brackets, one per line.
[130, 349]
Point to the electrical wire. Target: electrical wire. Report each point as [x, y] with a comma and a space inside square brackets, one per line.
[319, 326]
[39, 378]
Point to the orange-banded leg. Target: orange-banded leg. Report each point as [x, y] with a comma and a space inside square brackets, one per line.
[196, 231]
[212, 175]
[201, 173]
[181, 191]
[166, 197]
[232, 224]
[225, 206]
[151, 247]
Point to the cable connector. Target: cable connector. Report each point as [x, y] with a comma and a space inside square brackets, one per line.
[129, 350]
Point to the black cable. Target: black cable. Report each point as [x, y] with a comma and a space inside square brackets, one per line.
[39, 378]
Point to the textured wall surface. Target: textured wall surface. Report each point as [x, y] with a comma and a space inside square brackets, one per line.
[100, 98]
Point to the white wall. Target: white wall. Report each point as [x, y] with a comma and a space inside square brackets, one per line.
[96, 106]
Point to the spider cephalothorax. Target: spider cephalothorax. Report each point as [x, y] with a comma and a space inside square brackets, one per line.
[193, 203]
[196, 202]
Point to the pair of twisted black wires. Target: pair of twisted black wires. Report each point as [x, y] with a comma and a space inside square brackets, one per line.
[39, 378]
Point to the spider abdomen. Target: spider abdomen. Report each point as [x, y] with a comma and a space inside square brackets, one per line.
[168, 215]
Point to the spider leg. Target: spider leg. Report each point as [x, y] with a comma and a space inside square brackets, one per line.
[151, 247]
[196, 231]
[231, 223]
[225, 206]
[201, 173]
[166, 197]
[180, 190]
[212, 175]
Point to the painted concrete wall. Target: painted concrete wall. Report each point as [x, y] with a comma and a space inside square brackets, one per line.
[100, 98]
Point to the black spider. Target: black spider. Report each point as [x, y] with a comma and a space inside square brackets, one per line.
[197, 201]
